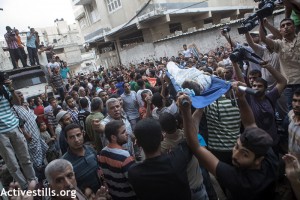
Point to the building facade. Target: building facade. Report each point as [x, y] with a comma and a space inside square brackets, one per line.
[128, 31]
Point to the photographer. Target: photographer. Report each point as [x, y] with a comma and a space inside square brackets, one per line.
[32, 39]
[262, 104]
[289, 51]
[234, 45]
[12, 141]
[13, 47]
[266, 53]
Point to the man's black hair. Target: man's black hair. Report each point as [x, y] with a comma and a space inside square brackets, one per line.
[112, 127]
[168, 122]
[70, 127]
[255, 71]
[192, 85]
[140, 82]
[263, 81]
[297, 92]
[84, 103]
[56, 111]
[287, 19]
[157, 100]
[148, 134]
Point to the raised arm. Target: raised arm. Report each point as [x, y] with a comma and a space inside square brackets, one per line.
[272, 29]
[255, 47]
[238, 72]
[205, 157]
[280, 79]
[263, 37]
[247, 116]
[229, 40]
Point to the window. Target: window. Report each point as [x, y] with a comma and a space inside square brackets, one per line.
[175, 27]
[132, 39]
[113, 5]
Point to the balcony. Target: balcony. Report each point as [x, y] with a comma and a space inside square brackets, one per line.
[81, 2]
[79, 13]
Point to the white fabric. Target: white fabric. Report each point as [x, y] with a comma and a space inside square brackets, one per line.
[190, 74]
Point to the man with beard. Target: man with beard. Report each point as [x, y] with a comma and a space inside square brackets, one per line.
[104, 96]
[114, 161]
[294, 126]
[72, 109]
[254, 163]
[83, 158]
[263, 104]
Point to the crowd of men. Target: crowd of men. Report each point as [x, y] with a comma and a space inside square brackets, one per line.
[125, 133]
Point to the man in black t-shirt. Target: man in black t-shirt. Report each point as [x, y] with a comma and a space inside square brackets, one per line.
[253, 173]
[159, 177]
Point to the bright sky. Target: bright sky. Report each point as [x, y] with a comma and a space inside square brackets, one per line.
[33, 13]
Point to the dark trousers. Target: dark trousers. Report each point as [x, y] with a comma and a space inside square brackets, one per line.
[14, 54]
[33, 57]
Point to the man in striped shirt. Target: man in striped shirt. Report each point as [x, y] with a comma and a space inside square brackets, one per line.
[13, 47]
[114, 161]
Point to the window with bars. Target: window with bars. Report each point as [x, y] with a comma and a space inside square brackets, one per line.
[113, 5]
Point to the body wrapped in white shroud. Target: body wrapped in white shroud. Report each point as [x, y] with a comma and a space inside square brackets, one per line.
[190, 74]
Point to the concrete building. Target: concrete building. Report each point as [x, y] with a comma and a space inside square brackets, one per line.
[67, 42]
[128, 31]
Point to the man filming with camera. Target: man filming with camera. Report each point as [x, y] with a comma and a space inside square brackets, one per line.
[32, 42]
[12, 141]
[233, 44]
[13, 47]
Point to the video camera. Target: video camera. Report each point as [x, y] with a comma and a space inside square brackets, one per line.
[240, 53]
[266, 8]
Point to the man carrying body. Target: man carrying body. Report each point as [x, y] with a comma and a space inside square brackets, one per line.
[254, 163]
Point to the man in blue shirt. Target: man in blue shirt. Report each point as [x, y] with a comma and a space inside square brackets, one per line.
[83, 158]
[32, 41]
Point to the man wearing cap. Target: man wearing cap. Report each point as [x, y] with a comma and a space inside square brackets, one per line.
[13, 47]
[64, 119]
[253, 173]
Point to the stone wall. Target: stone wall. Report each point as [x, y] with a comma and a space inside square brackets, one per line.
[205, 40]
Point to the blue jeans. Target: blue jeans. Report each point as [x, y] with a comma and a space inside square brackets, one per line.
[33, 57]
[289, 92]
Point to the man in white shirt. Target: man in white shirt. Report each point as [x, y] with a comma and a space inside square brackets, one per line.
[187, 52]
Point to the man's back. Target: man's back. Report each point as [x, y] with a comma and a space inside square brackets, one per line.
[162, 177]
